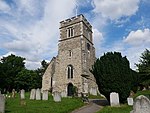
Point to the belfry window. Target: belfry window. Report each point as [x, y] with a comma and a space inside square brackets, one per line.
[70, 32]
[70, 71]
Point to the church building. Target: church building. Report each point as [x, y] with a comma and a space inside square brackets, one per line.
[76, 55]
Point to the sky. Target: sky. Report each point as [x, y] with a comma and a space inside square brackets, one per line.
[30, 28]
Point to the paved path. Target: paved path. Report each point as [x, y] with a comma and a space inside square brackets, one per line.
[94, 106]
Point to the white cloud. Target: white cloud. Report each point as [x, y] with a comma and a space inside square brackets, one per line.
[138, 38]
[33, 30]
[114, 9]
[3, 6]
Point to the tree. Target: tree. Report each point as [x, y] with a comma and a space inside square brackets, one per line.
[10, 66]
[144, 68]
[27, 79]
[113, 74]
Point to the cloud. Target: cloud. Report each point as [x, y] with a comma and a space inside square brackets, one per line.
[4, 6]
[113, 9]
[138, 38]
[32, 29]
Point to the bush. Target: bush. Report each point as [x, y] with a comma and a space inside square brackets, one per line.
[113, 74]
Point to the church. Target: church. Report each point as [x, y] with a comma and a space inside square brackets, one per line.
[76, 55]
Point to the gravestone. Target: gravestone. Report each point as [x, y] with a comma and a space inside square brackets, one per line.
[22, 94]
[38, 94]
[130, 101]
[2, 104]
[114, 99]
[13, 93]
[93, 91]
[141, 105]
[63, 94]
[57, 96]
[32, 94]
[45, 95]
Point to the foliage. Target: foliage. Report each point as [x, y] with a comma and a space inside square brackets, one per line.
[113, 74]
[14, 75]
[9, 67]
[27, 79]
[38, 106]
[144, 68]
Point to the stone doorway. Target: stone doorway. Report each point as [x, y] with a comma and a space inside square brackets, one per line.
[70, 89]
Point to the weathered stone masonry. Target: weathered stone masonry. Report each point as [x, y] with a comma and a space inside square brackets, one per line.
[76, 55]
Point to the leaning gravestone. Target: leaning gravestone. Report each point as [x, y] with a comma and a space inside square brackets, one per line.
[57, 96]
[130, 101]
[13, 93]
[32, 94]
[114, 99]
[2, 104]
[141, 105]
[38, 94]
[45, 95]
[22, 94]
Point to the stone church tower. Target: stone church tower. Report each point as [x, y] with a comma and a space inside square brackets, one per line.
[76, 55]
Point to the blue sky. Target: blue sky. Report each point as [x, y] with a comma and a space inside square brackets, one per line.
[30, 28]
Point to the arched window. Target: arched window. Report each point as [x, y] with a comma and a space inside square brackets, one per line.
[70, 71]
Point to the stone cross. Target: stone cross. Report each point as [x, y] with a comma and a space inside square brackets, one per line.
[57, 96]
[22, 94]
[130, 101]
[32, 94]
[38, 94]
[2, 104]
[114, 99]
[45, 95]
[141, 105]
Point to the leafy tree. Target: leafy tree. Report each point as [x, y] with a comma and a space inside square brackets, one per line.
[113, 74]
[10, 66]
[27, 79]
[144, 68]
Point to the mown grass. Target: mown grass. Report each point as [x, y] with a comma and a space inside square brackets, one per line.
[15, 105]
[123, 108]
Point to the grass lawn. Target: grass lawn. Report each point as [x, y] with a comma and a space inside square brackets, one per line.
[13, 105]
[123, 108]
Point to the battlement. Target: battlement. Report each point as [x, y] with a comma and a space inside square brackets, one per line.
[74, 20]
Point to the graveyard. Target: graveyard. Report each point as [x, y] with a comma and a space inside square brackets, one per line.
[27, 105]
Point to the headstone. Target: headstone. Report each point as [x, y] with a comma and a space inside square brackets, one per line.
[63, 94]
[2, 104]
[38, 94]
[141, 105]
[45, 95]
[130, 101]
[32, 94]
[114, 99]
[93, 91]
[13, 93]
[22, 94]
[57, 96]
